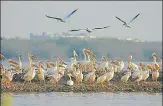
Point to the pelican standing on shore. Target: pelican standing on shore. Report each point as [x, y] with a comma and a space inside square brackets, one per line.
[41, 72]
[70, 82]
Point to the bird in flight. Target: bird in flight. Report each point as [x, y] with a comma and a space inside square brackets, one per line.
[88, 30]
[65, 18]
[127, 24]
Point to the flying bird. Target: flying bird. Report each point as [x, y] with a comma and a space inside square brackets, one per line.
[65, 18]
[88, 30]
[127, 24]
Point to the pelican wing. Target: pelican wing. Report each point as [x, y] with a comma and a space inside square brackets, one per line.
[101, 28]
[133, 18]
[88, 30]
[75, 30]
[26, 76]
[67, 16]
[54, 18]
[12, 62]
[120, 19]
[135, 74]
[53, 74]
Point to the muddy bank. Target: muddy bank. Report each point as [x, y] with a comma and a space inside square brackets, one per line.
[117, 87]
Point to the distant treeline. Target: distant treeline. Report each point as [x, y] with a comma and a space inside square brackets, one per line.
[63, 47]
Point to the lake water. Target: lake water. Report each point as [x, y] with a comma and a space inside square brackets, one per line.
[81, 99]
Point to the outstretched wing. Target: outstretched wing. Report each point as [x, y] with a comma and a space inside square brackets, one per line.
[106, 27]
[53, 17]
[67, 16]
[120, 19]
[75, 30]
[101, 28]
[133, 18]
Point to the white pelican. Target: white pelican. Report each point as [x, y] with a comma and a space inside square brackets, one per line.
[70, 82]
[31, 64]
[56, 74]
[7, 76]
[31, 71]
[127, 24]
[106, 65]
[110, 74]
[131, 65]
[17, 66]
[91, 76]
[65, 18]
[121, 66]
[30, 74]
[155, 67]
[126, 76]
[139, 78]
[89, 30]
[145, 74]
[155, 73]
[73, 62]
[140, 74]
[101, 79]
[79, 76]
[155, 64]
[41, 72]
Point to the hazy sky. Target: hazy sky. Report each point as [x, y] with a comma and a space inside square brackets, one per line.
[19, 18]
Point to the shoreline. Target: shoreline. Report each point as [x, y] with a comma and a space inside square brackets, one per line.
[152, 87]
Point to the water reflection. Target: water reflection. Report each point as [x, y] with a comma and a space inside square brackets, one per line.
[82, 99]
[7, 99]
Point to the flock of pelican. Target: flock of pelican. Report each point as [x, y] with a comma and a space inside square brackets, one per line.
[79, 72]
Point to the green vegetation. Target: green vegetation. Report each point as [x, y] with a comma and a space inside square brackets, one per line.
[63, 47]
